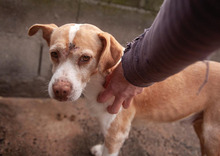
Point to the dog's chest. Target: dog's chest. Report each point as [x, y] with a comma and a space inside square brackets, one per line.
[99, 110]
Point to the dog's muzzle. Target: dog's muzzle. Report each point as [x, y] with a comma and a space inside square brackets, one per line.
[61, 89]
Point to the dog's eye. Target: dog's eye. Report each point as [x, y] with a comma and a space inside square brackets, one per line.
[84, 59]
[54, 55]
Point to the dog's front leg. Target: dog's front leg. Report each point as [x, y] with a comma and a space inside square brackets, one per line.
[115, 136]
[113, 142]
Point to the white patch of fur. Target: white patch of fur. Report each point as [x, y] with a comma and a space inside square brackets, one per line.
[69, 71]
[72, 32]
[97, 150]
[92, 89]
[101, 150]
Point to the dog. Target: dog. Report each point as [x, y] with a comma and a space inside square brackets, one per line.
[83, 55]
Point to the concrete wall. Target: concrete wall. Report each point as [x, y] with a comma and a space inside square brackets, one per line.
[25, 67]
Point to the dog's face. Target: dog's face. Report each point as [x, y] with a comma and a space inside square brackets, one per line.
[77, 52]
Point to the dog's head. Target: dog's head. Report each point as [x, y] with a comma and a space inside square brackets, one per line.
[77, 52]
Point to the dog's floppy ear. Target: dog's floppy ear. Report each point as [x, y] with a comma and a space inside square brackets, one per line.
[46, 28]
[111, 52]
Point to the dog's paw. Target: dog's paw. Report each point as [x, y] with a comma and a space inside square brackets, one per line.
[97, 150]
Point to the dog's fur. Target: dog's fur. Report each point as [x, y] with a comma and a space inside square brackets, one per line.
[86, 54]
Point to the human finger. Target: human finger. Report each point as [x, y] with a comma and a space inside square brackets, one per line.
[105, 96]
[127, 103]
[114, 108]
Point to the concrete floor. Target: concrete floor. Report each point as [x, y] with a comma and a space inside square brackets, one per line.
[45, 127]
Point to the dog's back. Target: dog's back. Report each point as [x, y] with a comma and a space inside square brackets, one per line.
[195, 90]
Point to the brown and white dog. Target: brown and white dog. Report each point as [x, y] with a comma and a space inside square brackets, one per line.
[82, 56]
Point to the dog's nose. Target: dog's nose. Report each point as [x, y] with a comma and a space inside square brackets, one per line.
[62, 89]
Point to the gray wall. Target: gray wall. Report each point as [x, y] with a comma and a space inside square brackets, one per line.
[23, 70]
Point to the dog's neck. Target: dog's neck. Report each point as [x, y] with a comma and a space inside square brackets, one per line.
[94, 87]
[96, 84]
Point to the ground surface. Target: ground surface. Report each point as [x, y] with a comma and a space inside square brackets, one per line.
[44, 127]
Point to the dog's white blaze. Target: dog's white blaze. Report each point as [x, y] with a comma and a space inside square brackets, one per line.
[72, 32]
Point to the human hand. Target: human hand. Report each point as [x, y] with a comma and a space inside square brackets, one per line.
[121, 89]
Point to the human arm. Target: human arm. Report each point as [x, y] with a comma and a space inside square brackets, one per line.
[182, 33]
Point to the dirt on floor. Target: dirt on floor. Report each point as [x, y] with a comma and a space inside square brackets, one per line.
[45, 127]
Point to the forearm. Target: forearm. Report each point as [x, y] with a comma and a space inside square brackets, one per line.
[183, 32]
